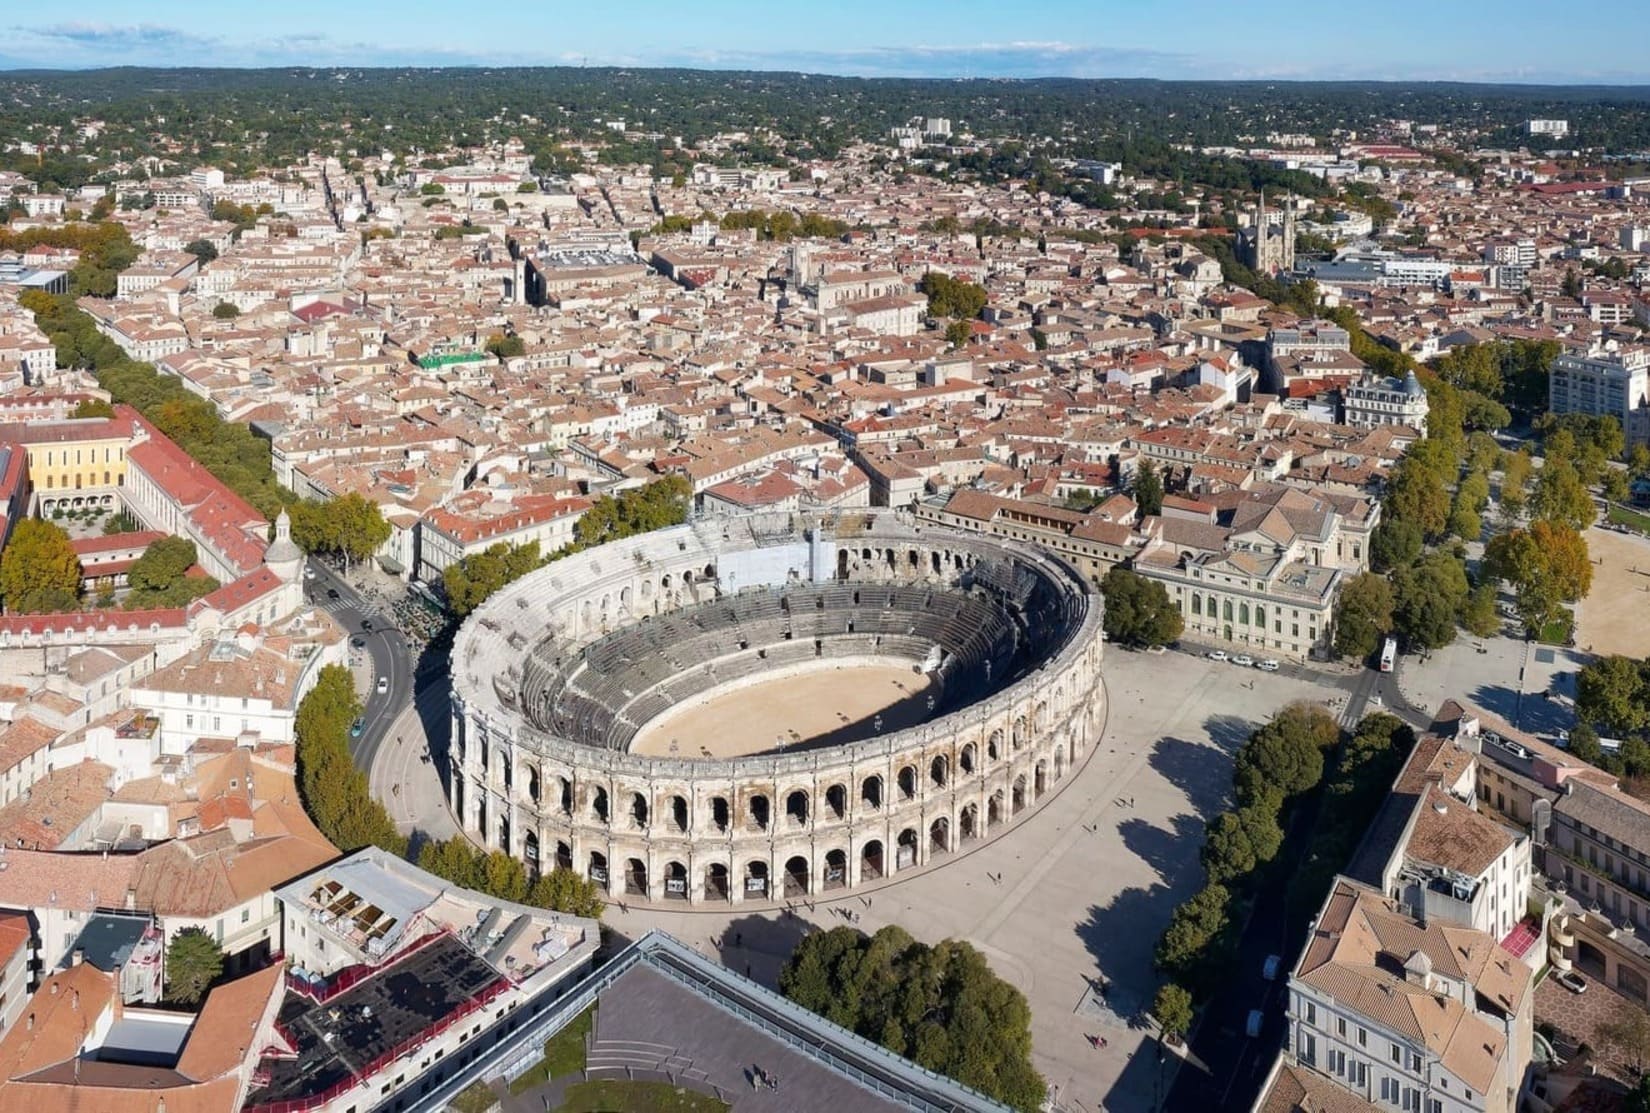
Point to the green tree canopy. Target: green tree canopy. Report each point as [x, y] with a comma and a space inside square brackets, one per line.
[506, 346]
[226, 311]
[39, 572]
[1614, 693]
[1428, 598]
[1148, 489]
[1173, 1009]
[160, 577]
[333, 788]
[953, 297]
[202, 250]
[472, 579]
[940, 1006]
[351, 525]
[1364, 615]
[1139, 611]
[193, 962]
[565, 890]
[93, 407]
[1560, 496]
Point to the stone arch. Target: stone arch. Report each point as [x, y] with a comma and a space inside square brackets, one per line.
[994, 812]
[599, 805]
[836, 801]
[530, 853]
[721, 814]
[716, 882]
[939, 836]
[968, 823]
[909, 851]
[907, 781]
[994, 746]
[635, 877]
[759, 812]
[1040, 779]
[676, 811]
[676, 881]
[871, 864]
[836, 869]
[966, 760]
[756, 878]
[796, 807]
[639, 810]
[532, 783]
[1019, 799]
[1059, 761]
[564, 854]
[939, 771]
[597, 867]
[870, 791]
[798, 876]
[1020, 732]
[565, 795]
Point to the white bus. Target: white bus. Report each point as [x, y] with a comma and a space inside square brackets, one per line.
[1389, 654]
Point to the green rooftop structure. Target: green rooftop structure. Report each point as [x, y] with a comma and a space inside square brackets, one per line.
[449, 359]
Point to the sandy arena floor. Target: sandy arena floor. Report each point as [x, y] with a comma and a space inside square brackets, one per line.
[831, 704]
[1615, 616]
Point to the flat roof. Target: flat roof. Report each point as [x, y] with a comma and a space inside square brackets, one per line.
[338, 1039]
[107, 941]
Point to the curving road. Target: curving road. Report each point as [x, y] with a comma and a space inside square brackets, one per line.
[390, 656]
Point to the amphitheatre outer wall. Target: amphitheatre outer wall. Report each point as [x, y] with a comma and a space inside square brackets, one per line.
[775, 825]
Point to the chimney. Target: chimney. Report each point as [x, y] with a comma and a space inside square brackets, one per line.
[77, 957]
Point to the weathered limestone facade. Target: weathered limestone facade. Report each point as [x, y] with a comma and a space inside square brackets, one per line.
[772, 825]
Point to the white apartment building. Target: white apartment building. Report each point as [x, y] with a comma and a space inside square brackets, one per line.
[1418, 1017]
[1386, 401]
[1604, 380]
[479, 519]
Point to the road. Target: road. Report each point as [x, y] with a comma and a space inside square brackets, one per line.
[383, 642]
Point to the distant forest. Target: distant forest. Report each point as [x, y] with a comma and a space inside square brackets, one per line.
[240, 118]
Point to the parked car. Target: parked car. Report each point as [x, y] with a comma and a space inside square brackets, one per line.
[1270, 969]
[1243, 659]
[332, 593]
[1571, 981]
[1216, 655]
[356, 728]
[1252, 1027]
[1158, 649]
[309, 573]
[1268, 665]
[383, 684]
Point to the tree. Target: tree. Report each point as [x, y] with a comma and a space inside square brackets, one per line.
[1560, 496]
[1545, 565]
[1173, 1009]
[1138, 610]
[1193, 929]
[1397, 542]
[333, 789]
[1479, 615]
[1239, 842]
[351, 525]
[1363, 616]
[92, 407]
[1418, 494]
[202, 250]
[1571, 287]
[565, 890]
[1148, 489]
[1515, 482]
[1584, 744]
[1611, 692]
[455, 860]
[160, 577]
[1627, 1037]
[940, 1006]
[953, 297]
[506, 346]
[470, 581]
[1638, 1098]
[193, 962]
[1285, 755]
[226, 311]
[957, 333]
[39, 571]
[1428, 598]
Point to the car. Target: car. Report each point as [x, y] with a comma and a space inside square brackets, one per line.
[383, 684]
[1243, 659]
[1269, 969]
[357, 642]
[356, 728]
[1571, 981]
[1268, 665]
[1158, 649]
[1251, 1027]
[1216, 655]
[332, 593]
[309, 573]
[366, 625]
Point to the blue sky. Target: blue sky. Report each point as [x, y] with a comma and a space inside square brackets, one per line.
[1469, 40]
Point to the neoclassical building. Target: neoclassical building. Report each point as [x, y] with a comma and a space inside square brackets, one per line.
[554, 678]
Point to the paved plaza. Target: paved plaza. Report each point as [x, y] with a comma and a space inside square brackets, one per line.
[1073, 898]
[1615, 618]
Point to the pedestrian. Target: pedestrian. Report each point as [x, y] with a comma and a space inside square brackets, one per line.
[747, 969]
[1103, 1042]
[738, 939]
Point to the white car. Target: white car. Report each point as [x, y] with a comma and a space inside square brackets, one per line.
[309, 573]
[1267, 665]
[1216, 655]
[1243, 659]
[383, 684]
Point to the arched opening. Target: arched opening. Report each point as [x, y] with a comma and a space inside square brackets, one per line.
[939, 771]
[598, 804]
[968, 823]
[1040, 784]
[836, 869]
[638, 809]
[760, 812]
[1228, 632]
[716, 882]
[756, 879]
[907, 782]
[598, 867]
[842, 564]
[676, 886]
[796, 877]
[530, 853]
[1059, 762]
[939, 836]
[1019, 801]
[966, 759]
[566, 795]
[936, 562]
[533, 784]
[679, 813]
[719, 814]
[564, 855]
[905, 856]
[836, 801]
[870, 860]
[1020, 733]
[635, 877]
[993, 810]
[796, 808]
[870, 792]
[994, 746]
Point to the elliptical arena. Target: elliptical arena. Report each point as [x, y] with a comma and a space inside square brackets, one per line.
[772, 706]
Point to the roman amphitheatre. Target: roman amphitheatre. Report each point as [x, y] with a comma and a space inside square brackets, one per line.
[771, 706]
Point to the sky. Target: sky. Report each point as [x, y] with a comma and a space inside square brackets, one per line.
[1455, 40]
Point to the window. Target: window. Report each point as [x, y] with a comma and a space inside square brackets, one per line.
[246, 914]
[1311, 1012]
[1397, 1056]
[1340, 1026]
[1363, 1037]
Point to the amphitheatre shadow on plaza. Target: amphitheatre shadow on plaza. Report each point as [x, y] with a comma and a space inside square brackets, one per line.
[759, 945]
[1533, 713]
[1167, 851]
[1228, 732]
[1203, 772]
